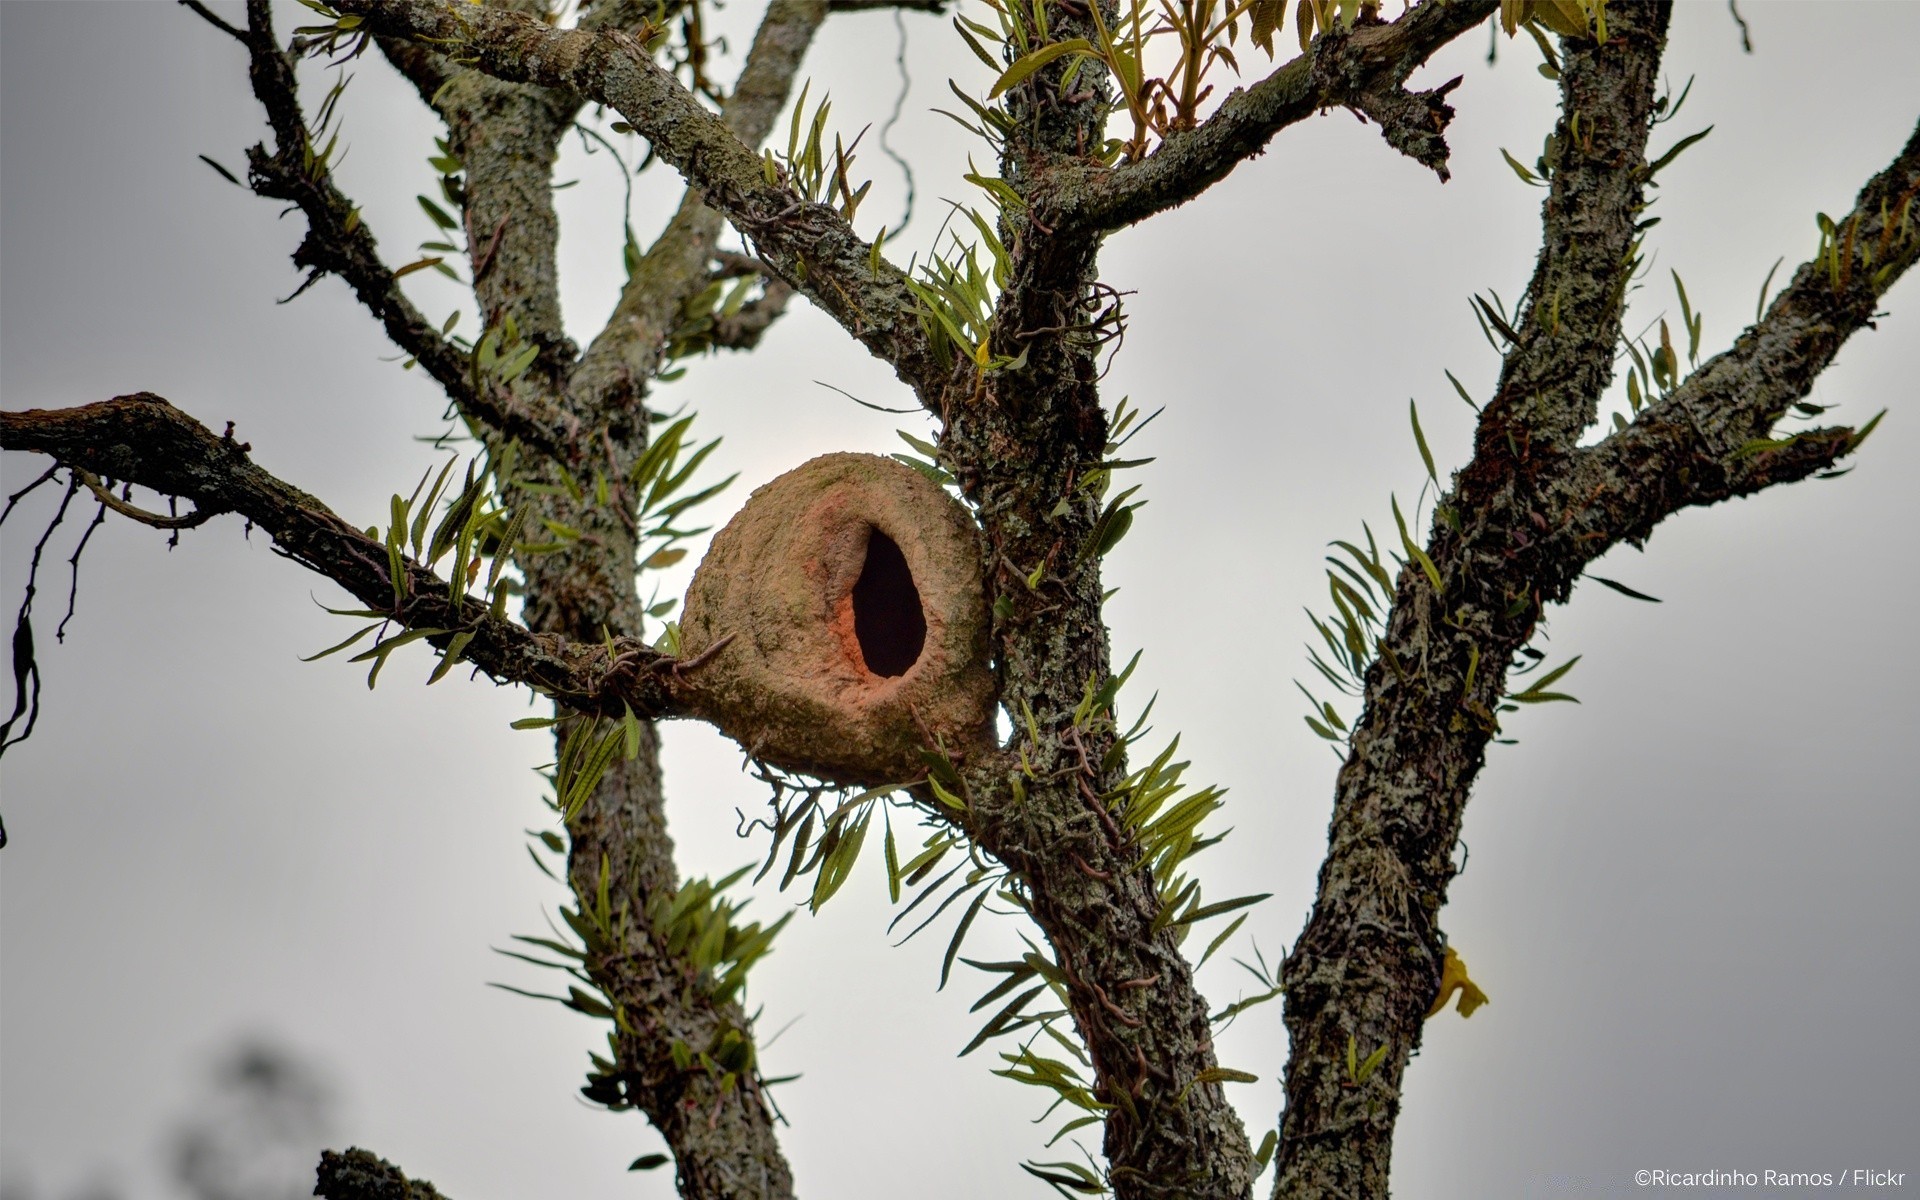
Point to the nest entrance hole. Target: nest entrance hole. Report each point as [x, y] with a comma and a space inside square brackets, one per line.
[887, 618]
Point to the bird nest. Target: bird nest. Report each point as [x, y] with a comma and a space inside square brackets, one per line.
[848, 610]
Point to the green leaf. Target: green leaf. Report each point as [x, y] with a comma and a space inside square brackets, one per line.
[1653, 168]
[839, 862]
[960, 934]
[1418, 555]
[1369, 1064]
[452, 655]
[1218, 908]
[1068, 1175]
[1220, 938]
[647, 1162]
[420, 265]
[1859, 438]
[1033, 62]
[339, 646]
[1537, 694]
[1527, 177]
[1623, 589]
[893, 862]
[1419, 437]
[224, 173]
[1265, 1154]
[1225, 1075]
[1003, 1020]
[437, 214]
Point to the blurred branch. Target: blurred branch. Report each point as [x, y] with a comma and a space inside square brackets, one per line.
[360, 1175]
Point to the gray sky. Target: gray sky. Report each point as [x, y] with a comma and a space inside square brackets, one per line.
[1691, 898]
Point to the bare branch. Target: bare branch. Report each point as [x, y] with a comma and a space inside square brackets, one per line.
[144, 440]
[214, 19]
[197, 517]
[1364, 68]
[810, 245]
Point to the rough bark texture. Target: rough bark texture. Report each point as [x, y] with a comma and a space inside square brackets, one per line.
[1363, 69]
[721, 1133]
[360, 1175]
[141, 439]
[1023, 427]
[1018, 440]
[808, 244]
[1533, 511]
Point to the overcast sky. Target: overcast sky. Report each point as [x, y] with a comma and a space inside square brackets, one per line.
[1692, 897]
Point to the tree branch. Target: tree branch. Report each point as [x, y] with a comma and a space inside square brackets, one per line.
[360, 1175]
[144, 440]
[1364, 69]
[1569, 317]
[1520, 524]
[1060, 811]
[744, 329]
[809, 244]
[1367, 966]
[339, 242]
[1713, 437]
[627, 351]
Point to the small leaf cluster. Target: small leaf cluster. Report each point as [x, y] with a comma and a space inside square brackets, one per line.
[454, 193]
[808, 169]
[696, 925]
[1199, 34]
[473, 527]
[1361, 585]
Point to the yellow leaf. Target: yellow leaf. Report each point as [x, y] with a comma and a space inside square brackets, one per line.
[1453, 978]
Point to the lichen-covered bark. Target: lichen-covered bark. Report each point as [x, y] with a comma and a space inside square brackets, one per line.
[1019, 441]
[1365, 969]
[144, 440]
[721, 1134]
[1527, 515]
[1513, 533]
[807, 244]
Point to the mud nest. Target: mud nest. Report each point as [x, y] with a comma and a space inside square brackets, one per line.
[850, 591]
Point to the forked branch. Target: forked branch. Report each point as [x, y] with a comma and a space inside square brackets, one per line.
[1364, 68]
[808, 244]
